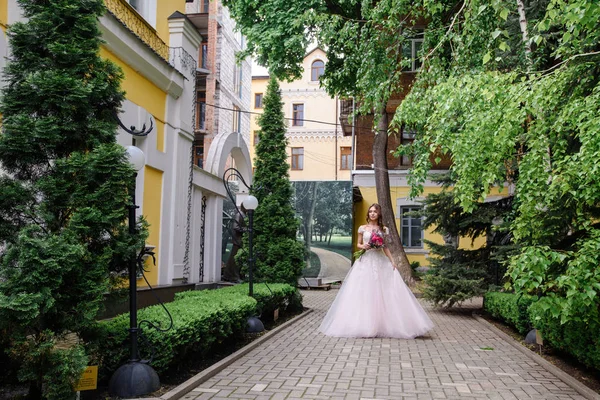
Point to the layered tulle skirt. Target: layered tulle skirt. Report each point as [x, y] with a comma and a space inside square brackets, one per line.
[374, 301]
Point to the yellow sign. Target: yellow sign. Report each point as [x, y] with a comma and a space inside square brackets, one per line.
[89, 379]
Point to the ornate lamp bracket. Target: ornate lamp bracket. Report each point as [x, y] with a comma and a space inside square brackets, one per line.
[132, 129]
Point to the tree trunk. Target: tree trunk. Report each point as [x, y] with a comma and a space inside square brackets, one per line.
[312, 190]
[382, 185]
[308, 220]
[524, 32]
[527, 46]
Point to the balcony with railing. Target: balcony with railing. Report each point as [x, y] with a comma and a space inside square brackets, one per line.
[346, 108]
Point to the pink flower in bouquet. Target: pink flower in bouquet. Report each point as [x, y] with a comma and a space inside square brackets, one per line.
[376, 240]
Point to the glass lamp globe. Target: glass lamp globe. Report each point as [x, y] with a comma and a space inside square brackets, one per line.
[137, 159]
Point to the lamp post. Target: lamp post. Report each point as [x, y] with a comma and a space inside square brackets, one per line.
[136, 377]
[250, 203]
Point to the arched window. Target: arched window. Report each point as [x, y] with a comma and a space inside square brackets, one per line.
[317, 69]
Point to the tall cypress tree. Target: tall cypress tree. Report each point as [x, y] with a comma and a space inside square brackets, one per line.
[279, 256]
[64, 189]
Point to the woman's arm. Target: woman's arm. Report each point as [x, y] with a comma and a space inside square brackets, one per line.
[360, 244]
[388, 253]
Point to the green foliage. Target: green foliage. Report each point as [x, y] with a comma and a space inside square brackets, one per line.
[524, 112]
[579, 337]
[202, 320]
[198, 323]
[460, 274]
[64, 190]
[570, 278]
[367, 45]
[455, 275]
[279, 256]
[510, 308]
[59, 372]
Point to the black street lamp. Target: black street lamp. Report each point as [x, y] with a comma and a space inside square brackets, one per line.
[249, 203]
[136, 377]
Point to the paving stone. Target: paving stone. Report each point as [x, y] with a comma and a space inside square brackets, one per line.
[451, 362]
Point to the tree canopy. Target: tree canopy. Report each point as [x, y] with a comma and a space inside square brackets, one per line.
[511, 91]
[364, 43]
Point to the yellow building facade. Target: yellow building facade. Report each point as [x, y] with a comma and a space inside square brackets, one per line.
[317, 149]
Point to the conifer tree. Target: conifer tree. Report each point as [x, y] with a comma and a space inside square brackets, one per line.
[64, 189]
[458, 274]
[279, 256]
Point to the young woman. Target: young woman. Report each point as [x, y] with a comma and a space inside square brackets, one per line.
[374, 301]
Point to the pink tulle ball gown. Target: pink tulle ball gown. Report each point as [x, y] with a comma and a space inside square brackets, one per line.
[374, 301]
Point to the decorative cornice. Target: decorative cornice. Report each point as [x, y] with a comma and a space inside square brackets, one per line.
[121, 42]
[318, 137]
[138, 26]
[181, 24]
[316, 92]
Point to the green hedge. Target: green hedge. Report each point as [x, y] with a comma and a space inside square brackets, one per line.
[580, 338]
[201, 320]
[510, 308]
[268, 297]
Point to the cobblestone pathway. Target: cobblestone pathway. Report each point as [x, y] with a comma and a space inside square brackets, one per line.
[461, 358]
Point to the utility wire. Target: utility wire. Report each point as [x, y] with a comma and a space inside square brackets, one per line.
[289, 119]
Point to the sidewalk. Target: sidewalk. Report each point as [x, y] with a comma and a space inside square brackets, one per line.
[461, 358]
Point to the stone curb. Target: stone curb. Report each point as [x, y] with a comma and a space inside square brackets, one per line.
[187, 386]
[559, 373]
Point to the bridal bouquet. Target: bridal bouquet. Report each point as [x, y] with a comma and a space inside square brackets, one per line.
[375, 242]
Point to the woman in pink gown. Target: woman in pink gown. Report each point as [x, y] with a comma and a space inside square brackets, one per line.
[374, 301]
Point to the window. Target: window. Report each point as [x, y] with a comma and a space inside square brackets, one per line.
[201, 109]
[199, 153]
[256, 138]
[240, 86]
[316, 70]
[204, 6]
[297, 114]
[345, 157]
[237, 80]
[411, 228]
[258, 99]
[408, 137]
[237, 120]
[410, 55]
[145, 8]
[298, 158]
[204, 56]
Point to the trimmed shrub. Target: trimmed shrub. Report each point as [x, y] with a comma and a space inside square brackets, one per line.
[268, 297]
[201, 320]
[510, 308]
[580, 338]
